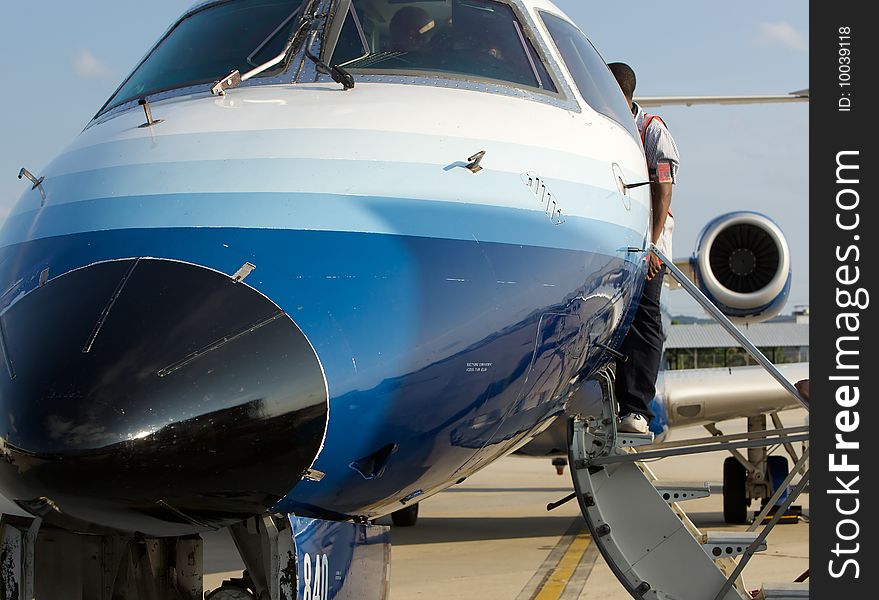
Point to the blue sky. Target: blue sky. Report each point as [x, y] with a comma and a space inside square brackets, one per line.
[61, 60]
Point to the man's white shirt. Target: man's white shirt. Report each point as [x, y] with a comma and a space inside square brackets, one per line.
[659, 146]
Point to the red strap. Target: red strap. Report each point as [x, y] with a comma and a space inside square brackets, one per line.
[647, 120]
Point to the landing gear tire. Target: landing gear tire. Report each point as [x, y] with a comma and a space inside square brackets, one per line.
[405, 517]
[735, 495]
[225, 592]
[237, 588]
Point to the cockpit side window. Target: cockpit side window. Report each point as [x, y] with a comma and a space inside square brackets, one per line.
[594, 80]
[211, 42]
[479, 39]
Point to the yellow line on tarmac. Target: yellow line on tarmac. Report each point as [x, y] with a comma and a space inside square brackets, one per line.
[555, 584]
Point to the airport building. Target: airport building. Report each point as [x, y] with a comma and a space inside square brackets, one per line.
[705, 345]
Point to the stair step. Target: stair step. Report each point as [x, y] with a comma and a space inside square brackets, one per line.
[678, 492]
[726, 544]
[627, 440]
[652, 550]
[783, 591]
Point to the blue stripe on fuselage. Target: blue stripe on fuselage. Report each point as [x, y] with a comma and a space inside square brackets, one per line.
[396, 321]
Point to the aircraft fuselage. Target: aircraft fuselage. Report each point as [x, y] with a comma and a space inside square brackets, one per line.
[294, 277]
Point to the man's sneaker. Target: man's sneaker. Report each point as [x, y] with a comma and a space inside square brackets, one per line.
[633, 423]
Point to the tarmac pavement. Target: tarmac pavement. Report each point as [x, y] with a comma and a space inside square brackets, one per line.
[491, 537]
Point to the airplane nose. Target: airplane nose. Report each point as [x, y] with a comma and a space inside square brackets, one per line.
[155, 396]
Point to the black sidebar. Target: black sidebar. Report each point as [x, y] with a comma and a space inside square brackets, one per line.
[844, 486]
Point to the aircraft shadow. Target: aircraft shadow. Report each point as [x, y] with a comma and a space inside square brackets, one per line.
[220, 554]
[437, 530]
[714, 520]
[563, 491]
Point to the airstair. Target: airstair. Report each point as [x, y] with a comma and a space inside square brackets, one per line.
[637, 522]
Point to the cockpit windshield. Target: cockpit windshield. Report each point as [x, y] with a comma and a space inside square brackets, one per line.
[481, 39]
[209, 43]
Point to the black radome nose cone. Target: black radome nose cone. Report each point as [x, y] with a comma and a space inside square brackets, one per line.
[154, 396]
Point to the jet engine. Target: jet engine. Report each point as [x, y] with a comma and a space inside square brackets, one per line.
[742, 263]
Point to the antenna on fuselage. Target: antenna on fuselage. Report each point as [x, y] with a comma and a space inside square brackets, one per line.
[149, 113]
[38, 183]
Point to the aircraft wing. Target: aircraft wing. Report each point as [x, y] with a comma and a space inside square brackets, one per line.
[688, 397]
[652, 101]
[696, 396]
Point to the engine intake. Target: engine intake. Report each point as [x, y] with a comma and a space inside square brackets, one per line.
[742, 262]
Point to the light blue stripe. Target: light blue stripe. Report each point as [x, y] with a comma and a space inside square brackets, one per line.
[322, 176]
[323, 212]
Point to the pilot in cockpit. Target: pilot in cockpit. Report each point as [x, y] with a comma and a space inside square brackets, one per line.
[411, 29]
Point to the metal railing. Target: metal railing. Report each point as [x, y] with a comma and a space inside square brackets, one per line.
[740, 337]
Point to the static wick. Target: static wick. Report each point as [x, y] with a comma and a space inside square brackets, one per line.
[149, 113]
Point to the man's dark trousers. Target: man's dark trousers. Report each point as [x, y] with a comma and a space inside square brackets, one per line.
[636, 378]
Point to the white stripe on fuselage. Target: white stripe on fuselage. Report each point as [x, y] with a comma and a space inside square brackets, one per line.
[378, 140]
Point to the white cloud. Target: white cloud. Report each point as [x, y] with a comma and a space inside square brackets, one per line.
[89, 66]
[784, 34]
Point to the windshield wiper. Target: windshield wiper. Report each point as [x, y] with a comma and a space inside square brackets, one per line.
[369, 60]
[338, 74]
[235, 78]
